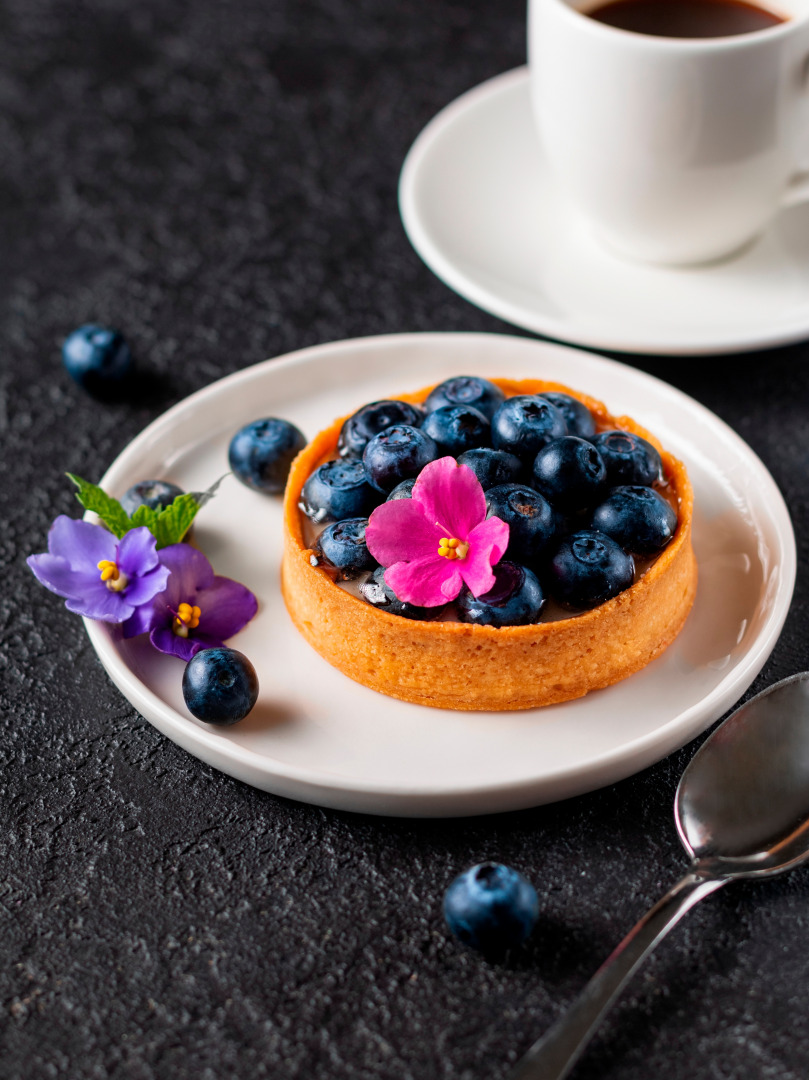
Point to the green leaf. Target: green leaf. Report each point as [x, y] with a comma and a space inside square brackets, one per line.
[167, 526]
[108, 509]
[173, 523]
[204, 497]
[144, 515]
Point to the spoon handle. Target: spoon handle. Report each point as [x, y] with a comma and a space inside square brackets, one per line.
[556, 1052]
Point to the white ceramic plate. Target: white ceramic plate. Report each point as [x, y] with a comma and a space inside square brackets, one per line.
[315, 735]
[482, 209]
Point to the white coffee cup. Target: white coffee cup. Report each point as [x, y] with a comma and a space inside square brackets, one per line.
[678, 150]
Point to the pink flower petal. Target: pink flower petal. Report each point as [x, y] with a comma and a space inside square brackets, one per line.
[451, 496]
[427, 582]
[487, 542]
[399, 531]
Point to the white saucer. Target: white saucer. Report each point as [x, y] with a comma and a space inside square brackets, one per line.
[481, 208]
[315, 735]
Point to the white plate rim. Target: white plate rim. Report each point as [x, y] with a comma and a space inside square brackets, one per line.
[323, 788]
[546, 324]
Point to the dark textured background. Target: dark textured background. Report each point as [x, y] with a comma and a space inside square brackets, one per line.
[219, 180]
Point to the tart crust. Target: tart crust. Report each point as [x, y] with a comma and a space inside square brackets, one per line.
[453, 665]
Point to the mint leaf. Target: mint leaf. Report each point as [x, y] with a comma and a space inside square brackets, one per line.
[108, 509]
[204, 497]
[167, 526]
[144, 515]
[173, 523]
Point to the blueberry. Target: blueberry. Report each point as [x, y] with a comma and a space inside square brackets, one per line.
[456, 428]
[467, 390]
[220, 686]
[629, 458]
[397, 454]
[589, 568]
[368, 421]
[570, 474]
[637, 518]
[377, 592]
[491, 907]
[156, 494]
[341, 546]
[492, 467]
[515, 599]
[260, 454]
[97, 357]
[524, 424]
[532, 522]
[577, 416]
[402, 491]
[337, 490]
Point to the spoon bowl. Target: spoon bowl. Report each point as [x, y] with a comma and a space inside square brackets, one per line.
[742, 805]
[742, 811]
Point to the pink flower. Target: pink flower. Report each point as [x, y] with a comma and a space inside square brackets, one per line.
[439, 539]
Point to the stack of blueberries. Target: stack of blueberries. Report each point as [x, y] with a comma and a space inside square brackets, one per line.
[579, 504]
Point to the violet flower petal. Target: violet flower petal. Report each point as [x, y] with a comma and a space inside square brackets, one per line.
[82, 544]
[166, 641]
[398, 531]
[141, 621]
[487, 542]
[426, 582]
[227, 607]
[451, 496]
[137, 552]
[189, 571]
[56, 574]
[142, 589]
[206, 641]
[101, 603]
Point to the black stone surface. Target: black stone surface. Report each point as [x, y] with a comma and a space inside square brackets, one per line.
[219, 180]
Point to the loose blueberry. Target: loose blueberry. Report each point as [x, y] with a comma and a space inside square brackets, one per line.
[337, 490]
[377, 592]
[368, 421]
[515, 599]
[589, 568]
[261, 453]
[220, 686]
[532, 522]
[397, 454]
[457, 428]
[97, 357]
[156, 494]
[577, 416]
[570, 474]
[341, 546]
[629, 458]
[524, 424]
[491, 907]
[637, 518]
[402, 491]
[492, 467]
[466, 390]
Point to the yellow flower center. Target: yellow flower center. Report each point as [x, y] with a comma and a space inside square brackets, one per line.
[452, 548]
[187, 618]
[114, 579]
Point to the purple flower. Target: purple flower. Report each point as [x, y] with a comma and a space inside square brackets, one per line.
[196, 610]
[99, 576]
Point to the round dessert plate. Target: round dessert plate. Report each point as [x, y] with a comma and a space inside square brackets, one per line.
[481, 208]
[319, 737]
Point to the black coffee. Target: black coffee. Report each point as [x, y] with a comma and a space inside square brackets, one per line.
[685, 18]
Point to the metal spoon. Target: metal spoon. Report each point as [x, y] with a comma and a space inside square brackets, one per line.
[742, 811]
